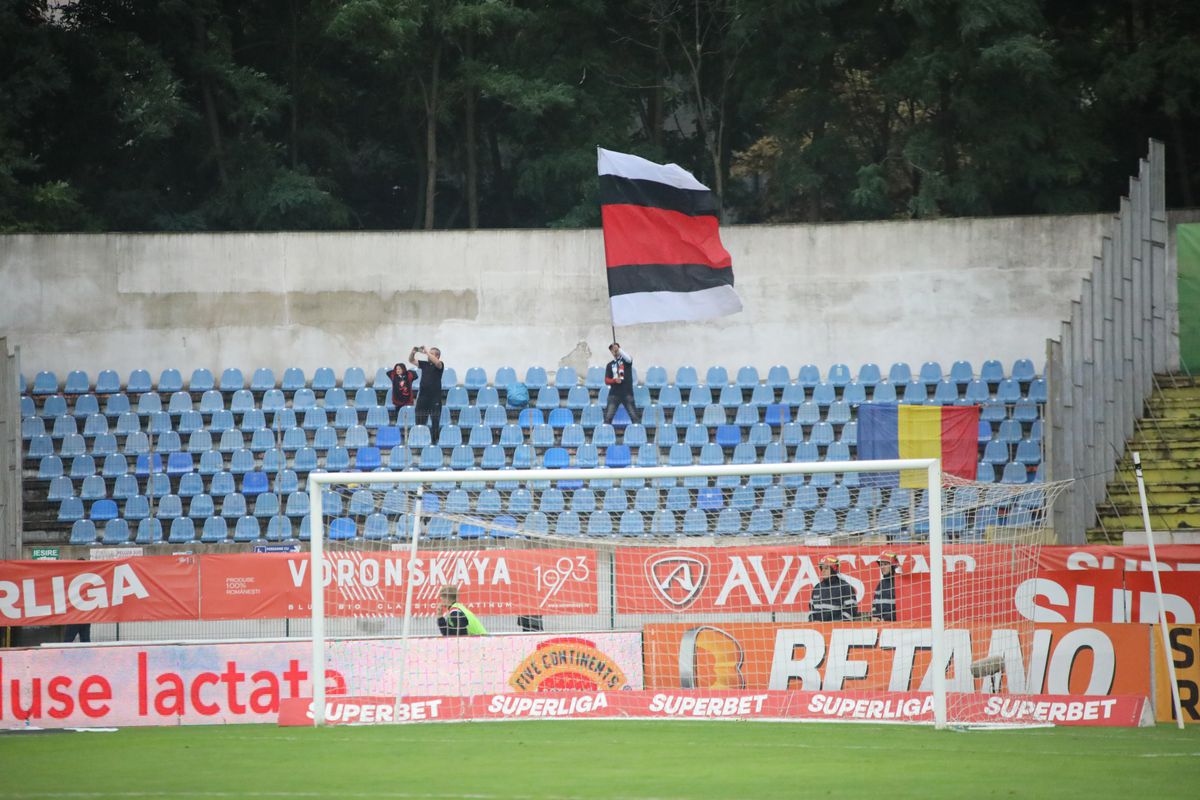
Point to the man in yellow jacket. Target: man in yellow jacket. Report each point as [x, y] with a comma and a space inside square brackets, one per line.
[456, 618]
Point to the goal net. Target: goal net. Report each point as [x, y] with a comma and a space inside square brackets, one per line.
[829, 590]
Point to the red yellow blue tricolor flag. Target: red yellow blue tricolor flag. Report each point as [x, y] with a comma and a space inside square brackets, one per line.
[946, 432]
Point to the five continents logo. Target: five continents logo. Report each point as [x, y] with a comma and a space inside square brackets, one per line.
[567, 663]
[677, 577]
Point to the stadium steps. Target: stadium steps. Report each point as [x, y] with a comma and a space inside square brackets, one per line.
[1168, 438]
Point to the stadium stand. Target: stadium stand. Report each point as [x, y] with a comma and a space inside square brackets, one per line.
[124, 474]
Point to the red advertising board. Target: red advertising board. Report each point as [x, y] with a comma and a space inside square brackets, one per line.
[1123, 710]
[780, 579]
[1173, 557]
[58, 592]
[1108, 595]
[1075, 584]
[204, 684]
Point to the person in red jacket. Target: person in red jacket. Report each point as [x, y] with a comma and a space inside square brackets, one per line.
[402, 385]
[619, 377]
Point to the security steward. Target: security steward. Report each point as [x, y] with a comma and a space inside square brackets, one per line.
[456, 618]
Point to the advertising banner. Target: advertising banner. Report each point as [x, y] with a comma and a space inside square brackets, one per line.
[220, 683]
[269, 585]
[1171, 557]
[1125, 710]
[1063, 659]
[277, 585]
[1106, 595]
[57, 592]
[1075, 584]
[1185, 650]
[780, 579]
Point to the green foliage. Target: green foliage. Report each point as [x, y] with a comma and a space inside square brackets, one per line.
[324, 114]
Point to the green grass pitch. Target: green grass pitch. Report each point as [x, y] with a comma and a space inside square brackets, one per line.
[602, 759]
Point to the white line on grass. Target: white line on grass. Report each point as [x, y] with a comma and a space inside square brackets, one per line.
[336, 794]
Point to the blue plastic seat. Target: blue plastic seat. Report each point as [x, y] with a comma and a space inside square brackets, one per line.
[255, 483]
[170, 506]
[40, 446]
[64, 425]
[991, 372]
[44, 382]
[930, 373]
[728, 436]
[116, 532]
[82, 466]
[117, 405]
[215, 530]
[884, 392]
[729, 522]
[945, 393]
[85, 406]
[1029, 453]
[915, 393]
[1023, 370]
[1025, 411]
[279, 528]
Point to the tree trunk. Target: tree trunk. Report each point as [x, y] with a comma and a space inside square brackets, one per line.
[294, 80]
[210, 107]
[472, 162]
[431, 141]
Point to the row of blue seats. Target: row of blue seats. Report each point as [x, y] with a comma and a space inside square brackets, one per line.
[569, 523]
[515, 447]
[256, 486]
[180, 405]
[778, 376]
[232, 442]
[490, 501]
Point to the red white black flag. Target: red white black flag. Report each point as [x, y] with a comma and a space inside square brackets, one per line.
[662, 247]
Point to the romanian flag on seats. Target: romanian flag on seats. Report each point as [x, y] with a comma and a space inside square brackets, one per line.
[662, 248]
[946, 432]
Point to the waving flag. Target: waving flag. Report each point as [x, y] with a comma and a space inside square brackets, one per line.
[946, 432]
[662, 247]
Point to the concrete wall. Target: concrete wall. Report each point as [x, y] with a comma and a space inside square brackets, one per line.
[882, 291]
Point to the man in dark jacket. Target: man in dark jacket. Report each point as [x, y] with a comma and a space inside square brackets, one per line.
[429, 396]
[833, 598]
[619, 377]
[883, 602]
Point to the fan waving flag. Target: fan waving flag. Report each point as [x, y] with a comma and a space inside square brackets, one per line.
[662, 247]
[947, 432]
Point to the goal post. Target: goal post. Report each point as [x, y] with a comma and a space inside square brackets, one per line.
[640, 578]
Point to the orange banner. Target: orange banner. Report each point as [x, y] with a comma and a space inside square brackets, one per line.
[1185, 650]
[1062, 659]
[125, 590]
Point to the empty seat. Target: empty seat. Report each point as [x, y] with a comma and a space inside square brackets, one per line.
[247, 530]
[232, 380]
[215, 530]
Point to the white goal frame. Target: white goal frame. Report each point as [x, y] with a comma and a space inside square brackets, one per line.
[318, 480]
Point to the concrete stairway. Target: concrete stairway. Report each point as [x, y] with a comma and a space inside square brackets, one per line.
[1168, 437]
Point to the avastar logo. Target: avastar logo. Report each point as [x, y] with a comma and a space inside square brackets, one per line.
[677, 577]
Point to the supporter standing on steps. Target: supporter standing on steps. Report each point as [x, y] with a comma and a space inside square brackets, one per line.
[619, 377]
[429, 396]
